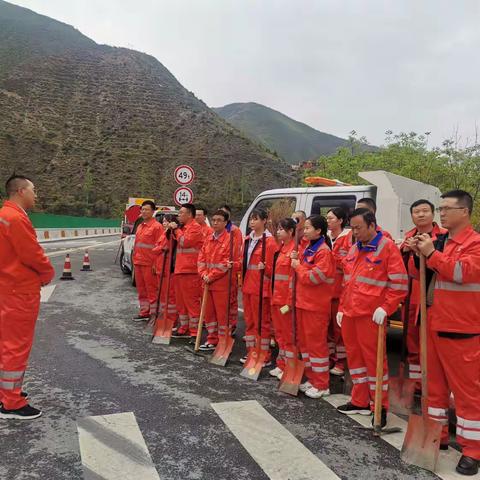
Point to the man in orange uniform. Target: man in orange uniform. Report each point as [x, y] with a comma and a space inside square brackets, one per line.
[423, 213]
[147, 235]
[370, 204]
[201, 219]
[237, 257]
[213, 266]
[454, 326]
[375, 283]
[188, 285]
[24, 268]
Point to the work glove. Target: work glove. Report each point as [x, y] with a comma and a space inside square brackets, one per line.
[379, 316]
[339, 318]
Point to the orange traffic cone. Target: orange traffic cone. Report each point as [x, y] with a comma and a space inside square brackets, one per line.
[86, 263]
[67, 269]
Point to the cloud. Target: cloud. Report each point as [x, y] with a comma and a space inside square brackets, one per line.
[367, 65]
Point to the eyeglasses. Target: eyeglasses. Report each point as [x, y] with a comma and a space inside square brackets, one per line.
[447, 209]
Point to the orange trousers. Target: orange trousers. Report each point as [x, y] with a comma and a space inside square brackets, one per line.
[18, 315]
[188, 294]
[360, 335]
[216, 315]
[250, 310]
[336, 347]
[147, 288]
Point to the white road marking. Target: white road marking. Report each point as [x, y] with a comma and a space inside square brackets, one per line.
[447, 460]
[46, 293]
[112, 447]
[273, 447]
[71, 250]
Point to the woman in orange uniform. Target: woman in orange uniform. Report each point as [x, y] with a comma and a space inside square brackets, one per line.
[315, 272]
[281, 277]
[252, 265]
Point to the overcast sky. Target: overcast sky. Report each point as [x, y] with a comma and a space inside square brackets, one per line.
[337, 65]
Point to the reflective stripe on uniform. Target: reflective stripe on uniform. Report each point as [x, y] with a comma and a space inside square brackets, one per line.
[380, 247]
[457, 272]
[455, 287]
[320, 369]
[398, 276]
[463, 422]
[148, 246]
[397, 286]
[11, 385]
[438, 412]
[468, 434]
[187, 250]
[5, 222]
[280, 277]
[371, 281]
[356, 381]
[374, 387]
[11, 374]
[358, 371]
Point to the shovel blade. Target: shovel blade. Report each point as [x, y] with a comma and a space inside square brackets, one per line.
[421, 445]
[292, 376]
[400, 394]
[223, 351]
[253, 366]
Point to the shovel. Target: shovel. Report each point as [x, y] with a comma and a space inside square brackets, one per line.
[294, 367]
[201, 320]
[377, 413]
[164, 325]
[401, 389]
[422, 441]
[256, 357]
[225, 342]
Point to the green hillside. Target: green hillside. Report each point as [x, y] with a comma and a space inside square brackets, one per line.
[294, 141]
[93, 125]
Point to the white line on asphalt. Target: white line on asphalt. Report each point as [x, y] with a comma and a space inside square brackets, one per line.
[86, 247]
[112, 447]
[447, 460]
[273, 447]
[46, 293]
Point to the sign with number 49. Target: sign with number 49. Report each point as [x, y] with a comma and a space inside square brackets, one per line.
[184, 175]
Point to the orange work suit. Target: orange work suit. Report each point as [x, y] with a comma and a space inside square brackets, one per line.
[24, 268]
[146, 237]
[315, 283]
[188, 286]
[375, 276]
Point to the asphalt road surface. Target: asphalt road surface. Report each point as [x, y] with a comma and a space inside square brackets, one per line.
[118, 407]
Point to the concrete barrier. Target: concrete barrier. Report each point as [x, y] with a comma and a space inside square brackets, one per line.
[55, 234]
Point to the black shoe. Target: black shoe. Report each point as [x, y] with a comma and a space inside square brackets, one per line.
[207, 347]
[351, 409]
[141, 318]
[243, 359]
[24, 394]
[178, 334]
[25, 413]
[192, 341]
[444, 446]
[383, 419]
[467, 466]
[233, 332]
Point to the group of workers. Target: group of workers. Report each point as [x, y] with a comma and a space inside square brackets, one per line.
[339, 283]
[342, 283]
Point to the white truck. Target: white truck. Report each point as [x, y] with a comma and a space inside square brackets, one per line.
[393, 194]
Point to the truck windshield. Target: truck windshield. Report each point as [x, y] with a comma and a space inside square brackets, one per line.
[321, 205]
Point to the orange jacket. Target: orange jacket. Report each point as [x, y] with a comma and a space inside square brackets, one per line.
[385, 233]
[237, 238]
[213, 259]
[315, 277]
[375, 276]
[341, 246]
[251, 272]
[282, 274]
[24, 267]
[189, 242]
[456, 299]
[146, 237]
[206, 230]
[412, 270]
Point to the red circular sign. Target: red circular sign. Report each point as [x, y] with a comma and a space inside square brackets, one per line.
[184, 175]
[183, 195]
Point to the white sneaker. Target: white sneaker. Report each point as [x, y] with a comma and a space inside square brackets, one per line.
[337, 371]
[316, 393]
[275, 372]
[303, 387]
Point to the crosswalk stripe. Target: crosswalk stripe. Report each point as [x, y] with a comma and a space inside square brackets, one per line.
[447, 460]
[46, 293]
[272, 446]
[112, 447]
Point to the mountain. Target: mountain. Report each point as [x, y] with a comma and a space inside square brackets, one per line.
[294, 141]
[93, 125]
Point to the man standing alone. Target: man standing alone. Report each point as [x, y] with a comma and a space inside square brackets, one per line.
[24, 268]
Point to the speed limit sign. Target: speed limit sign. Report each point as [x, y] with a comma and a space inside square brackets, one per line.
[184, 175]
[183, 195]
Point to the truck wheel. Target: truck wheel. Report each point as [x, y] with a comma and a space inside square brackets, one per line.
[123, 267]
